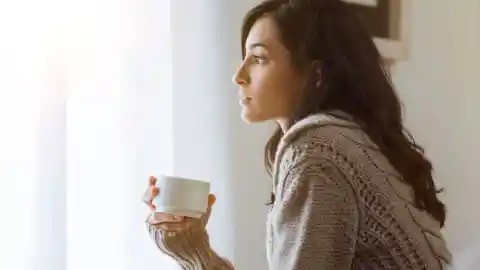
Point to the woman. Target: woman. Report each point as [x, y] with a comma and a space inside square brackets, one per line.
[351, 189]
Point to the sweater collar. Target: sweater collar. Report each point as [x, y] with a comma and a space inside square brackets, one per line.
[338, 118]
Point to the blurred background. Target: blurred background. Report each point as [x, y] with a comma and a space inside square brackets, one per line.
[97, 95]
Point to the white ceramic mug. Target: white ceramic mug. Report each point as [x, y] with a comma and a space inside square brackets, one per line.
[182, 196]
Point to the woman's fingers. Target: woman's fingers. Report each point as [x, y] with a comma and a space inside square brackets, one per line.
[160, 217]
[149, 194]
[211, 200]
[169, 223]
[182, 225]
[152, 180]
[176, 227]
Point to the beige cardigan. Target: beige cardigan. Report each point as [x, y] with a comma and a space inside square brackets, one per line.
[339, 204]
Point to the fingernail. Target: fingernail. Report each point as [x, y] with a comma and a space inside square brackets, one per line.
[177, 217]
[151, 179]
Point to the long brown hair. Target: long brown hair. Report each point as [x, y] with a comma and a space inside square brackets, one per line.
[326, 39]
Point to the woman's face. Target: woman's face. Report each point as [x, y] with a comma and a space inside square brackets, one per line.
[269, 85]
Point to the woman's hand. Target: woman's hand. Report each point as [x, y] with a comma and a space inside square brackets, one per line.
[172, 223]
[183, 238]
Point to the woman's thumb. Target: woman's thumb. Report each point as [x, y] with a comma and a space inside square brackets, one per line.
[211, 200]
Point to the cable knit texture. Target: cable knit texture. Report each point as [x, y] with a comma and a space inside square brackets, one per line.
[191, 248]
[339, 204]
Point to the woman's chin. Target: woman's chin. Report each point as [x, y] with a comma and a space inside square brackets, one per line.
[250, 118]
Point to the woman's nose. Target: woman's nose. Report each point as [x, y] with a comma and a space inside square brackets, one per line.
[239, 76]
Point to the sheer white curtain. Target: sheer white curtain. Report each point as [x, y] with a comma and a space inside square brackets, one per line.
[32, 137]
[85, 117]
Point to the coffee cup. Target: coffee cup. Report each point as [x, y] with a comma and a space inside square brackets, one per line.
[181, 196]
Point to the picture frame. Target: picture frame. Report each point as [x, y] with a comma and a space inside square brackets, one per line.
[389, 23]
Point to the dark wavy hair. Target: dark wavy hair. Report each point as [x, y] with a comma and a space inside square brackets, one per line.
[346, 72]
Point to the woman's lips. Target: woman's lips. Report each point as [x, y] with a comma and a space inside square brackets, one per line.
[245, 101]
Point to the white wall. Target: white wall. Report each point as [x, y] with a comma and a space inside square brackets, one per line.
[150, 120]
[440, 87]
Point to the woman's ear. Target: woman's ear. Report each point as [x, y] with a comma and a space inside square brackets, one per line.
[316, 64]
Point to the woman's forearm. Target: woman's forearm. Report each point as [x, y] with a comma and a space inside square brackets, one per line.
[190, 248]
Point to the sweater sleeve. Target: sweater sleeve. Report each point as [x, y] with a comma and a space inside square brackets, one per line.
[190, 248]
[315, 217]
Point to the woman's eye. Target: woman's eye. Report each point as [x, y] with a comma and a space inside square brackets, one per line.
[258, 59]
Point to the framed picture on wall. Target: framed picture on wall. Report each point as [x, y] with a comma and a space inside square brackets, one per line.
[388, 21]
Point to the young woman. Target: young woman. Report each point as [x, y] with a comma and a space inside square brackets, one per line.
[352, 190]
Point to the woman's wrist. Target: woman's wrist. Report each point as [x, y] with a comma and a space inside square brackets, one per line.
[190, 248]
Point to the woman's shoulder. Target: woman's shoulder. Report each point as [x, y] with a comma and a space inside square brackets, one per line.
[329, 136]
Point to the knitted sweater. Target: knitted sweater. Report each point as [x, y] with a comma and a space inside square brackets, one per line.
[339, 204]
